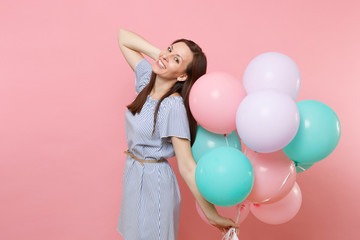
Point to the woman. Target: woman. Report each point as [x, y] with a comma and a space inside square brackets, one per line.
[159, 124]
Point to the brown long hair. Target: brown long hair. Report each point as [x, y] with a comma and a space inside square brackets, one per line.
[194, 70]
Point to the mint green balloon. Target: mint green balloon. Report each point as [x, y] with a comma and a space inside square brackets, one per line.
[224, 176]
[302, 167]
[318, 134]
[206, 141]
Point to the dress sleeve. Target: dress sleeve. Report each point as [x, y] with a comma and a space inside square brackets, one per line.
[143, 72]
[174, 122]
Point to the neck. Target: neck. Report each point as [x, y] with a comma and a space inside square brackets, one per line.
[161, 87]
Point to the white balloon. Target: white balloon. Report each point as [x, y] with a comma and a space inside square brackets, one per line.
[267, 120]
[272, 70]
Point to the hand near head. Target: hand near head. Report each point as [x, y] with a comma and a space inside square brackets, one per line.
[133, 46]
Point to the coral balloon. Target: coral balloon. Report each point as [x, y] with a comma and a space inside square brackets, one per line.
[214, 99]
[267, 120]
[281, 211]
[272, 70]
[274, 176]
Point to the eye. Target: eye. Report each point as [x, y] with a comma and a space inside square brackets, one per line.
[169, 49]
[176, 60]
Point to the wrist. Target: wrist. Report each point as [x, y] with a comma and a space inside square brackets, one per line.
[212, 216]
[155, 53]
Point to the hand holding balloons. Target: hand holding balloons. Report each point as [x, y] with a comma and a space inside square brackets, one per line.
[267, 120]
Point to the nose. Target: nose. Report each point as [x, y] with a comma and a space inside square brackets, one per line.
[165, 57]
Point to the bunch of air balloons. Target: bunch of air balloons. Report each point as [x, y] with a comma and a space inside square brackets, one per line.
[282, 138]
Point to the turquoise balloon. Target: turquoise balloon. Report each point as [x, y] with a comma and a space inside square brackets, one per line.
[302, 167]
[224, 176]
[206, 141]
[318, 134]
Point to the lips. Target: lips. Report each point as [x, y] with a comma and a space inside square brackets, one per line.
[161, 64]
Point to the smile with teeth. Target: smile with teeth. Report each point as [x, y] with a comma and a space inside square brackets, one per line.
[160, 63]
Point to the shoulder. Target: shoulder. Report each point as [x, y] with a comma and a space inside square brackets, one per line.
[173, 105]
[174, 100]
[143, 67]
[175, 94]
[143, 70]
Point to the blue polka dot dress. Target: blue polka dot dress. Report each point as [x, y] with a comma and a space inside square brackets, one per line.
[150, 206]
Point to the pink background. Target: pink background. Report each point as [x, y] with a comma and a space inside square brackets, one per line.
[64, 87]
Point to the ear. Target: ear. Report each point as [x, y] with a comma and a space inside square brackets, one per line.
[182, 77]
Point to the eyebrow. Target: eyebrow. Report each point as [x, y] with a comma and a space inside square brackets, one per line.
[171, 46]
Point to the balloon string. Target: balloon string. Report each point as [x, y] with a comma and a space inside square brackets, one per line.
[252, 161]
[227, 142]
[282, 185]
[230, 235]
[238, 212]
[245, 151]
[233, 232]
[301, 168]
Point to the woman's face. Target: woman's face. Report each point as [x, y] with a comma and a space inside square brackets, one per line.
[173, 61]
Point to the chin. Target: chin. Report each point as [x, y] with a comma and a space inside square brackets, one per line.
[155, 68]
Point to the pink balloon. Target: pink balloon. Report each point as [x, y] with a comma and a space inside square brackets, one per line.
[228, 212]
[214, 99]
[281, 211]
[267, 120]
[273, 70]
[274, 176]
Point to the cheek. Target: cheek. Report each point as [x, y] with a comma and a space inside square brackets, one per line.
[177, 68]
[173, 70]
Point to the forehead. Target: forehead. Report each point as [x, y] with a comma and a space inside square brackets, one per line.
[183, 50]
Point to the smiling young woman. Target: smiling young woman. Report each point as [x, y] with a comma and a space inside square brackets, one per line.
[159, 125]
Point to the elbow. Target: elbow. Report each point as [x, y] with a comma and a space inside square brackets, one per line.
[121, 31]
[123, 35]
[120, 34]
[183, 172]
[187, 171]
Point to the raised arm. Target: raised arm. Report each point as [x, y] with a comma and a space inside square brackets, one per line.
[187, 167]
[133, 46]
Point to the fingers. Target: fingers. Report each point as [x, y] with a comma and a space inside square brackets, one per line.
[230, 223]
[234, 225]
[225, 225]
[224, 230]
